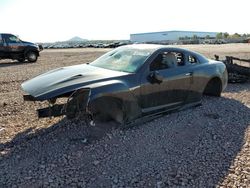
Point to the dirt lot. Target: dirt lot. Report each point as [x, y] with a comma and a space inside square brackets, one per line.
[202, 147]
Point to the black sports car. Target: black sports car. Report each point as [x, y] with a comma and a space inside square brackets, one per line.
[128, 83]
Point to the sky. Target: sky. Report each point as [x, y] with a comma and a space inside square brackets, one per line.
[60, 20]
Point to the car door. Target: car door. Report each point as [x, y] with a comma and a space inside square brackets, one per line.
[166, 84]
[4, 49]
[197, 79]
[1, 47]
[14, 44]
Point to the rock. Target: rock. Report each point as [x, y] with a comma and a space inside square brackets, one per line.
[159, 184]
[115, 180]
[28, 178]
[50, 180]
[96, 162]
[42, 166]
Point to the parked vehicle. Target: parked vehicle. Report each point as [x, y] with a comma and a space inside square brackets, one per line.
[128, 83]
[11, 47]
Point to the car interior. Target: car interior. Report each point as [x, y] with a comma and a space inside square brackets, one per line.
[167, 60]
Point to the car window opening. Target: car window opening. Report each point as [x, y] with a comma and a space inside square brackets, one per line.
[167, 60]
[192, 59]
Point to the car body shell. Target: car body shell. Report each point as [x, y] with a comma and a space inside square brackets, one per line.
[142, 93]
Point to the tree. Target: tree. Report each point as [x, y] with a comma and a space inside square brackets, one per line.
[195, 37]
[226, 35]
[219, 35]
[207, 37]
[236, 35]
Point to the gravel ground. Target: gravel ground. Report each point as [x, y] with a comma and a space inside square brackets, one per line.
[206, 146]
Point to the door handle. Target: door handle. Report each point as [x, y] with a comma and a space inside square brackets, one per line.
[189, 74]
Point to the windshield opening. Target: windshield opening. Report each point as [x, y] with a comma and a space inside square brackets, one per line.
[123, 59]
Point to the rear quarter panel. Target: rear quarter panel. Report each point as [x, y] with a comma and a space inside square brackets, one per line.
[204, 72]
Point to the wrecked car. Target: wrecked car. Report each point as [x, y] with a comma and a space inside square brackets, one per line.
[129, 83]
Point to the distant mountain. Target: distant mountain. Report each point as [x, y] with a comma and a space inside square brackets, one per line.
[76, 39]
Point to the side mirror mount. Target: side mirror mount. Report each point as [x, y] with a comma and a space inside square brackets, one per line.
[155, 77]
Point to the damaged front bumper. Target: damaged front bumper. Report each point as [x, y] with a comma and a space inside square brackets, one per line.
[77, 103]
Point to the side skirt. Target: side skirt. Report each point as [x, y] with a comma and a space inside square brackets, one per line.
[150, 117]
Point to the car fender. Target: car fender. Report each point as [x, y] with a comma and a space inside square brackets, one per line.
[31, 48]
[119, 91]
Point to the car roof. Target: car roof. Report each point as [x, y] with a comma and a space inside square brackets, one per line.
[155, 47]
[6, 34]
[144, 46]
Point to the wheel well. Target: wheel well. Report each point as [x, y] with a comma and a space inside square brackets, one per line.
[213, 87]
[27, 50]
[31, 51]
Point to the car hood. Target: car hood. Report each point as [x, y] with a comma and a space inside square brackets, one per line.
[25, 42]
[66, 79]
[29, 43]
